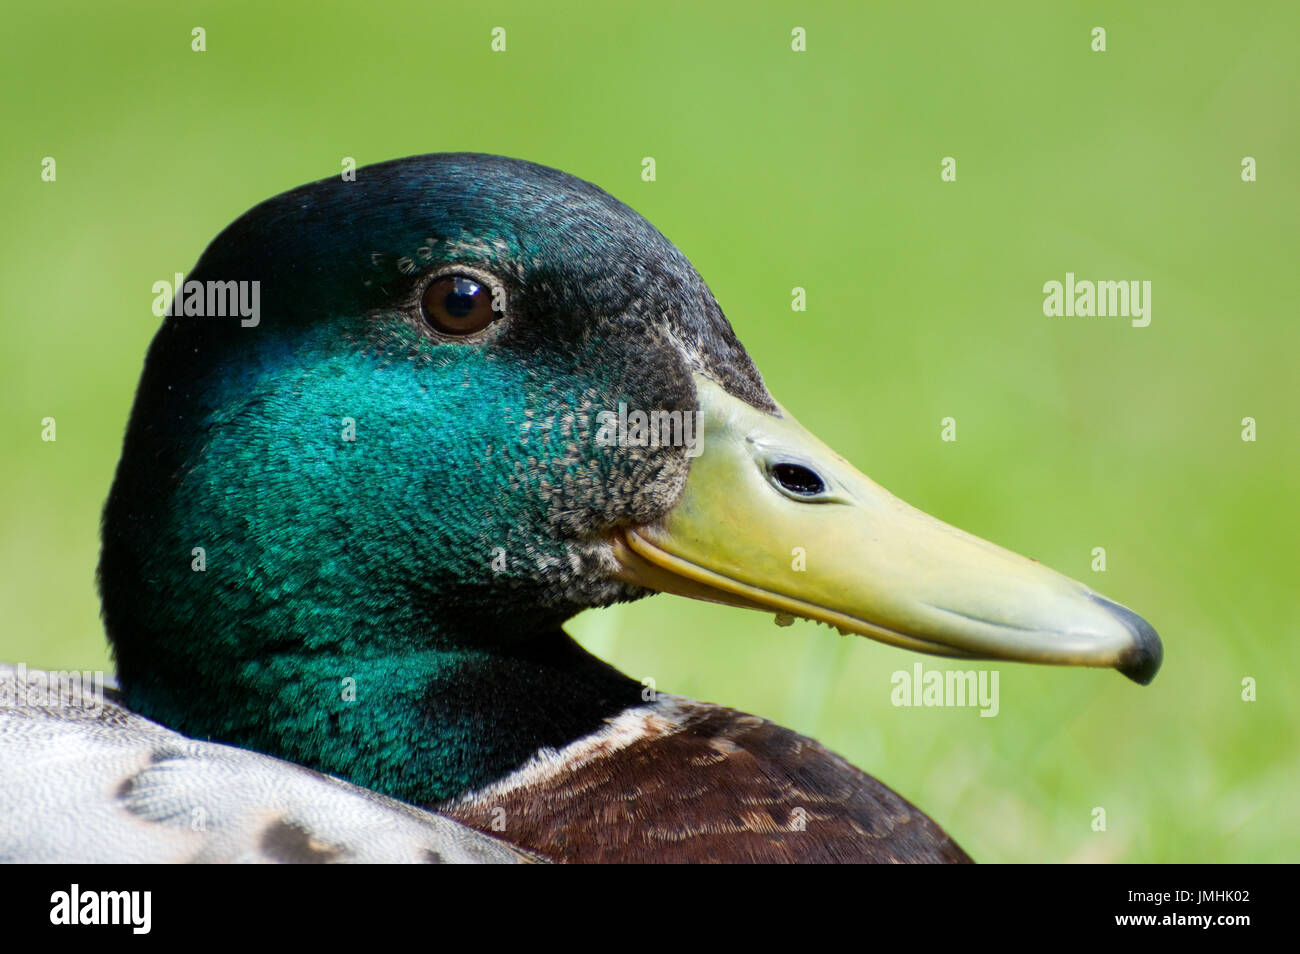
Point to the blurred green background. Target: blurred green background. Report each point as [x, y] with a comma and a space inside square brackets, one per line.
[775, 169]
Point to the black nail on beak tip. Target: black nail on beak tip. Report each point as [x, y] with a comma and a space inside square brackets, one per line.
[1143, 661]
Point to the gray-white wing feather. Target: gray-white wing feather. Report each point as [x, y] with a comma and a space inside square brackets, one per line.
[82, 781]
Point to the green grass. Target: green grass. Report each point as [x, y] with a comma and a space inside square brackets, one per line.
[778, 169]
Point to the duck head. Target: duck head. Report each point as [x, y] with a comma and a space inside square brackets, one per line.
[479, 396]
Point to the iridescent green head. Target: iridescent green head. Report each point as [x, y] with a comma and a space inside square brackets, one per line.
[346, 529]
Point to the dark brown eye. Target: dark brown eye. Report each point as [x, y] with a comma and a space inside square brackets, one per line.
[457, 305]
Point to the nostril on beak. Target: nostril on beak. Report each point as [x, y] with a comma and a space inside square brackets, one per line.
[1142, 662]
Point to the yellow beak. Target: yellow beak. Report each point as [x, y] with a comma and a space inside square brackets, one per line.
[773, 519]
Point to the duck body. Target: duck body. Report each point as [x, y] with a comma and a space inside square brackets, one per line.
[348, 535]
[87, 780]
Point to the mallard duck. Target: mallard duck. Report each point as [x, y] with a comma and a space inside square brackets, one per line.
[474, 396]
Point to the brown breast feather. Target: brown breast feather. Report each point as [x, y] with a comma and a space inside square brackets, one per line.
[709, 784]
